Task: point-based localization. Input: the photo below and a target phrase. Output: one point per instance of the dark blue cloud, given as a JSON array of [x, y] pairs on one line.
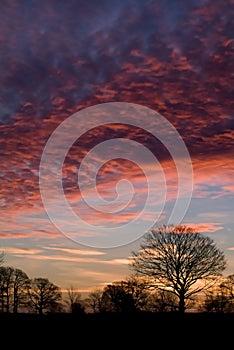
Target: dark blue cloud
[[53, 49]]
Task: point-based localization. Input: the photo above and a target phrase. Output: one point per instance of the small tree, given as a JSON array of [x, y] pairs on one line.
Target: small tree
[[43, 295], [1, 258], [20, 283], [221, 297], [6, 279], [74, 301], [215, 301], [176, 257], [228, 286], [116, 299], [13, 287], [162, 301], [94, 300], [137, 288]]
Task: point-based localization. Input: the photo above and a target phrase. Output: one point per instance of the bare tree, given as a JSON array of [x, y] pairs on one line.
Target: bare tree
[[6, 278], [74, 300], [2, 288], [127, 295], [176, 257], [116, 299], [1, 258], [228, 286], [138, 288], [221, 297], [94, 300], [215, 301], [20, 283], [162, 301], [43, 295], [13, 284]]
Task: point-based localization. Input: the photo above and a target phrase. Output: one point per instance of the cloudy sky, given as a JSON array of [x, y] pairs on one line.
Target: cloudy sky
[[140, 91]]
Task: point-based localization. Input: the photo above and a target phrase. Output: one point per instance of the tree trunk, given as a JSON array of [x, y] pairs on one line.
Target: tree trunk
[[181, 304], [15, 306], [7, 302], [15, 301], [40, 310]]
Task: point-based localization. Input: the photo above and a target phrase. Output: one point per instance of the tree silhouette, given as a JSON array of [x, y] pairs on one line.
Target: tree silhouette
[[20, 283], [116, 299], [1, 258], [13, 283], [6, 278], [176, 257], [221, 297], [74, 301], [215, 300], [228, 286], [43, 295], [162, 301], [94, 300], [136, 288]]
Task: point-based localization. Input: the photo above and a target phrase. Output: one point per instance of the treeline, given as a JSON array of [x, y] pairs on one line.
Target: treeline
[[19, 293], [176, 269]]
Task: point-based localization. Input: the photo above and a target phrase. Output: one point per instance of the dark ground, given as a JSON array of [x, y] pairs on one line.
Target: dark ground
[[138, 330]]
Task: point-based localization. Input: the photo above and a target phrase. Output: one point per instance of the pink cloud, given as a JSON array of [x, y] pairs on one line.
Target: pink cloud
[[75, 251], [13, 235], [213, 178], [22, 251], [205, 227], [35, 255]]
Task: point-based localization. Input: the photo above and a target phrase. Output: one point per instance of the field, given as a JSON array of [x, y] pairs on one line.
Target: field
[[139, 330]]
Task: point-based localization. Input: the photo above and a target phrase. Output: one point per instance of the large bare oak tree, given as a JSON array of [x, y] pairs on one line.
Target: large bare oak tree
[[176, 257]]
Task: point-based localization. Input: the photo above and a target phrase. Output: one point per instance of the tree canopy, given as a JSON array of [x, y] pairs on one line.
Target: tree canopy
[[176, 257], [43, 295]]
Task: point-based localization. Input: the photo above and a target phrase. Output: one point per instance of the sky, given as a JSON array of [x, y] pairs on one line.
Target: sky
[[115, 117]]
